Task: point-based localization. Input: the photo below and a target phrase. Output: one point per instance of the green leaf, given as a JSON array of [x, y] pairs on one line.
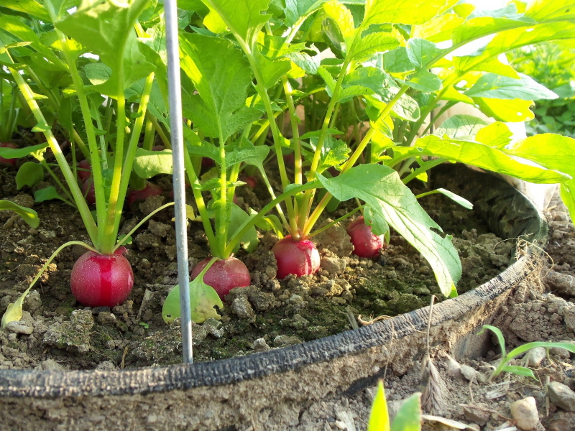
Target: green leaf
[[203, 299], [248, 153], [238, 216], [403, 11], [47, 194], [334, 152], [478, 27], [30, 7], [492, 86], [496, 135], [518, 370], [148, 164], [372, 44], [271, 70], [343, 18], [499, 336], [512, 111], [548, 150], [420, 52], [455, 198], [567, 191], [379, 417], [382, 190], [29, 174], [243, 17], [106, 29], [222, 76], [480, 155], [296, 9], [397, 61], [556, 10], [461, 127], [425, 81], [408, 418], [29, 215], [14, 311], [438, 29], [17, 153]]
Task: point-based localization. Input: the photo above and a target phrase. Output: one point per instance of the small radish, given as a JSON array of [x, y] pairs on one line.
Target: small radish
[[365, 243], [296, 257], [99, 280], [141, 195], [224, 274], [89, 192], [250, 181], [4, 161], [85, 170]]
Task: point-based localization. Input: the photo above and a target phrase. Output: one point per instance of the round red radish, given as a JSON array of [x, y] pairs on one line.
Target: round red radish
[[365, 243], [296, 257], [224, 274], [89, 191], [4, 161], [99, 280], [141, 195], [85, 170], [250, 180]]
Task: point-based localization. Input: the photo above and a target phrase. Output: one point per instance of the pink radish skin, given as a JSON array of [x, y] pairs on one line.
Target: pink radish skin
[[296, 257], [365, 243], [141, 195], [86, 170], [4, 161], [224, 274], [99, 280]]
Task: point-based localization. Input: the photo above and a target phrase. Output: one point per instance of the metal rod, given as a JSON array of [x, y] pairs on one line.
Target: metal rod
[[176, 119]]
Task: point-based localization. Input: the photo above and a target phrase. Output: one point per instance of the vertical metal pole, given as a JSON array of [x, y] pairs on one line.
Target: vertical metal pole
[[176, 119]]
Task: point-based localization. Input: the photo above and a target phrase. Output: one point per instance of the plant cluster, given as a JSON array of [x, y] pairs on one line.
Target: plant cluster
[[325, 100]]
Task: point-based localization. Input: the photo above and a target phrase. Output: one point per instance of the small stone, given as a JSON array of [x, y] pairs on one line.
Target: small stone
[[333, 265], [286, 340], [21, 328], [260, 345], [560, 352], [152, 419], [476, 414], [242, 308], [46, 235], [50, 365], [106, 318], [160, 229], [525, 413], [454, 368], [106, 366], [214, 327], [562, 396], [535, 356]]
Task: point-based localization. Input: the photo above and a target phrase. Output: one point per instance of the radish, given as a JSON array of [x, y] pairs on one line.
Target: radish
[[296, 257], [140, 195], [89, 192], [99, 280], [4, 161], [86, 170], [365, 243], [224, 274]]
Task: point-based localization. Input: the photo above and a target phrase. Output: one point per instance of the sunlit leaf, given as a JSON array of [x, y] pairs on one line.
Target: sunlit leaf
[[461, 127], [382, 190], [408, 417], [203, 300], [29, 215], [492, 86], [379, 417]]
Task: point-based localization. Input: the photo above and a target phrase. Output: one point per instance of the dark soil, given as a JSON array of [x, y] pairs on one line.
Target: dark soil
[[56, 332]]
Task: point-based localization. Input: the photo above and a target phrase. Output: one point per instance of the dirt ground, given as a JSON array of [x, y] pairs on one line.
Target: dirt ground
[[57, 333]]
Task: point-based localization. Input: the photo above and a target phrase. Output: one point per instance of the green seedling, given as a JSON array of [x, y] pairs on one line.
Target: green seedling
[[506, 357], [408, 417]]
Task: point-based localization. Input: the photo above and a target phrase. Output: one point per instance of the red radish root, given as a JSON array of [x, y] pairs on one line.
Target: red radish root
[[224, 274], [99, 280], [296, 257], [365, 243]]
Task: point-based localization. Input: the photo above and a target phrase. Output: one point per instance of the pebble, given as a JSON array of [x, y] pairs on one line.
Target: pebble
[[535, 356], [242, 308], [50, 364], [214, 327], [286, 340], [21, 328], [476, 414], [260, 345], [562, 396], [525, 413], [106, 366]]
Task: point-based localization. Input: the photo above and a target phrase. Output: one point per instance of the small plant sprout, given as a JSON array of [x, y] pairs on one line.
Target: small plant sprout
[[506, 357], [408, 418]]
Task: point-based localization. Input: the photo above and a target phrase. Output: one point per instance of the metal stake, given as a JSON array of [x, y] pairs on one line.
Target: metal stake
[[176, 119]]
